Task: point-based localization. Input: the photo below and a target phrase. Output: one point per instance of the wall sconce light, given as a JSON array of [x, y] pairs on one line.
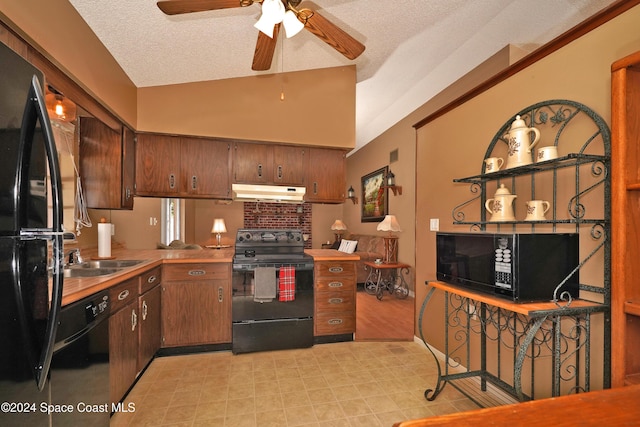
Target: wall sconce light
[[351, 195], [391, 179], [390, 224], [59, 107]]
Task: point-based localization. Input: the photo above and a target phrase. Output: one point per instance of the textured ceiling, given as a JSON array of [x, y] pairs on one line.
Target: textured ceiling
[[414, 48]]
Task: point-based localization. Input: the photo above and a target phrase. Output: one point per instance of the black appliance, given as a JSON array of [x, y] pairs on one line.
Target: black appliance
[[31, 245], [80, 364], [518, 266], [274, 324]]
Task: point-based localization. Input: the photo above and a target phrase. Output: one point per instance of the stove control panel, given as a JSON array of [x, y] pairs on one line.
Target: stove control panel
[[253, 237]]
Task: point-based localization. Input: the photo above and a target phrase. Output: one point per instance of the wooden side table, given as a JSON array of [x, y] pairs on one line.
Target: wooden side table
[[389, 277]]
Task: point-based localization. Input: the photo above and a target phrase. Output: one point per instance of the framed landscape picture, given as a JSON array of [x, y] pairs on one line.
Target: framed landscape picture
[[374, 196]]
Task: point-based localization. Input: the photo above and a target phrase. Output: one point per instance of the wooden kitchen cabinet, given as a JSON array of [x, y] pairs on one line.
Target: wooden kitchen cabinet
[[172, 166], [107, 161], [123, 338], [157, 165], [149, 307], [326, 176], [335, 297], [196, 304], [256, 163], [625, 221]]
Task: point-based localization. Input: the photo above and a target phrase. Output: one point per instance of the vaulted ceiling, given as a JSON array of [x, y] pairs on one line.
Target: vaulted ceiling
[[414, 48]]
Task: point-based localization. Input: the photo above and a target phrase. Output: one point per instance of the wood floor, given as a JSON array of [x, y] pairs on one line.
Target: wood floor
[[385, 320]]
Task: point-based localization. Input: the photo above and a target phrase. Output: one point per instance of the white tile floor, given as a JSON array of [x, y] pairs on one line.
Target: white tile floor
[[341, 384]]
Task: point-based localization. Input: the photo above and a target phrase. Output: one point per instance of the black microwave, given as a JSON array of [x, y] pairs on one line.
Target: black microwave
[[522, 267]]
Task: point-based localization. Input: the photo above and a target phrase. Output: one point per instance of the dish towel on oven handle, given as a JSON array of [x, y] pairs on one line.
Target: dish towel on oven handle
[[264, 284], [287, 284]]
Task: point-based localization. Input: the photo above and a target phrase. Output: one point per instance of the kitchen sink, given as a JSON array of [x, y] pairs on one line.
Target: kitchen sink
[[113, 263], [82, 271]]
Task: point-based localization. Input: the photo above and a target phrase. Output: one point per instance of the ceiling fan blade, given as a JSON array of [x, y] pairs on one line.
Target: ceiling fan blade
[[334, 36], [176, 7], [265, 47]]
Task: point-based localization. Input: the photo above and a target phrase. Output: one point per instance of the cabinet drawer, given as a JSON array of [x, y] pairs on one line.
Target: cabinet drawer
[[124, 293], [335, 323], [335, 268], [196, 272], [150, 279], [335, 301], [335, 284]]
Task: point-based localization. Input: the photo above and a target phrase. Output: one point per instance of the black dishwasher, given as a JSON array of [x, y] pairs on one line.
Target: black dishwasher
[[80, 364]]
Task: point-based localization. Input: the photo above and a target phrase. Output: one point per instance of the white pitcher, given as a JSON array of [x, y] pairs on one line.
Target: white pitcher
[[520, 144], [501, 206]]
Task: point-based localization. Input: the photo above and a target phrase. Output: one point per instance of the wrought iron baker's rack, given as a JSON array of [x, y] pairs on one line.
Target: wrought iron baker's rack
[[562, 329]]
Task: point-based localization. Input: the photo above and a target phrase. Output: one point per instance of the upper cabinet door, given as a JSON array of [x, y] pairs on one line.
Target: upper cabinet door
[[104, 155], [157, 165], [326, 179], [128, 167], [269, 164], [288, 165], [205, 167], [252, 163]]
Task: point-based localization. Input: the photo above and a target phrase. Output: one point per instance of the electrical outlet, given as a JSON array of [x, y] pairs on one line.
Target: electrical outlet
[[434, 224]]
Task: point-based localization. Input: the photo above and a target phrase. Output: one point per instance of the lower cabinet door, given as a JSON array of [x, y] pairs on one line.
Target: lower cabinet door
[[150, 333], [123, 350], [196, 313]]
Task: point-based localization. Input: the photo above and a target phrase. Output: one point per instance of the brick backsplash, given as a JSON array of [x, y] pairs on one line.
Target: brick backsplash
[[279, 215]]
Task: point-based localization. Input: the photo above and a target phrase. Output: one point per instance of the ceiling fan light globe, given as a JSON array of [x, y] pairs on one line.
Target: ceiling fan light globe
[[265, 25], [274, 10], [292, 24]]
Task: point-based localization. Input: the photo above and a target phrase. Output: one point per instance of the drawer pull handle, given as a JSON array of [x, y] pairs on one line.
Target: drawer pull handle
[[172, 181], [220, 294], [134, 320], [259, 170], [197, 273], [194, 182], [336, 285], [335, 301], [145, 310], [152, 278], [279, 172], [335, 321], [123, 295], [336, 269]]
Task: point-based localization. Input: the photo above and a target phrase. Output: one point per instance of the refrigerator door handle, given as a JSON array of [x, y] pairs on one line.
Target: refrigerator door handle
[[35, 109]]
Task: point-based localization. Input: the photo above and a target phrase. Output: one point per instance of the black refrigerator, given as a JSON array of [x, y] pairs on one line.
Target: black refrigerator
[[31, 245]]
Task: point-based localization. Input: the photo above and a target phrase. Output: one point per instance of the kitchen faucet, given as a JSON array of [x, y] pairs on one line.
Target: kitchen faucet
[[73, 256]]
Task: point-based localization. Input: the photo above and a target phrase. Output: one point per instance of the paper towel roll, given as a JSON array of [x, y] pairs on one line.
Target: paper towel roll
[[104, 240]]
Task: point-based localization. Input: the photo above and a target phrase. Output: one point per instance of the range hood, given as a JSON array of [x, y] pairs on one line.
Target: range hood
[[267, 193]]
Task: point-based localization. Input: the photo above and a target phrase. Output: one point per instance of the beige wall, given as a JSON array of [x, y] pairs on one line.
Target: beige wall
[[579, 71], [318, 108]]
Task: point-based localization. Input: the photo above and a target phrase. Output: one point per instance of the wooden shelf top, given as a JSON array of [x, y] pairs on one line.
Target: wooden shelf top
[[632, 307], [527, 308]]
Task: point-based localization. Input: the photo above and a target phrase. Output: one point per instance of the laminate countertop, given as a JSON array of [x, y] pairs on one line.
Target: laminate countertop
[[76, 288]]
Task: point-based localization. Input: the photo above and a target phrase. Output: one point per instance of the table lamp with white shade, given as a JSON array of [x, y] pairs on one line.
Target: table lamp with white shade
[[390, 224], [218, 228], [338, 228]]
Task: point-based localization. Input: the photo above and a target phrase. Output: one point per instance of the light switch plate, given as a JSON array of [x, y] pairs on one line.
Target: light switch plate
[[434, 224]]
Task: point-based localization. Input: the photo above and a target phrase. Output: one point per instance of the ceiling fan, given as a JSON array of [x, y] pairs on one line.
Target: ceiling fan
[[274, 14]]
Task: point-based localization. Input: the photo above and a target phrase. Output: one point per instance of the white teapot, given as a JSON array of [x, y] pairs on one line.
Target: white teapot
[[501, 206], [520, 144]]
